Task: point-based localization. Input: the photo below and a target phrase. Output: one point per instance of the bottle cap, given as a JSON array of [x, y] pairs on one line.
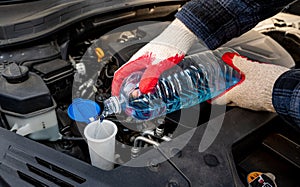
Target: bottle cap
[[83, 110], [15, 73]]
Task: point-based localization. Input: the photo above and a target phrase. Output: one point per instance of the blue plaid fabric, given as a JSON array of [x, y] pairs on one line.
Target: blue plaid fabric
[[286, 96], [218, 21]]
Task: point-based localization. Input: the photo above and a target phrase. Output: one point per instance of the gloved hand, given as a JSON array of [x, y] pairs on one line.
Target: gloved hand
[[254, 91], [160, 54]]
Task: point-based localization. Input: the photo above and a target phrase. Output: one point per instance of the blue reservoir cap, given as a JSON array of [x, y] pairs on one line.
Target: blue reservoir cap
[[84, 110]]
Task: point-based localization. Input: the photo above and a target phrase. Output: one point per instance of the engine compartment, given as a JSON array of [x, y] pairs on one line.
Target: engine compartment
[[67, 66]]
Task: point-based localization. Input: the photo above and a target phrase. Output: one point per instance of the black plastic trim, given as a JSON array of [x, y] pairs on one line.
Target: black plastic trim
[[34, 20]]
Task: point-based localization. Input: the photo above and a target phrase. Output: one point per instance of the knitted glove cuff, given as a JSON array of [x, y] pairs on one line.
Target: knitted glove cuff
[[176, 35], [271, 76]]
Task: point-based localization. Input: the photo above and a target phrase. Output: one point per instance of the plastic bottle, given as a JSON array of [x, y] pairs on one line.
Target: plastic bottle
[[198, 78]]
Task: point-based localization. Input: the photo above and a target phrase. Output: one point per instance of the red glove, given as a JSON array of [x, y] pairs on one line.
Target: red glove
[[151, 74]]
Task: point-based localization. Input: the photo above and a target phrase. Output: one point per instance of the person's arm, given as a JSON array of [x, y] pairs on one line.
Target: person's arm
[[218, 21], [213, 21], [286, 96]]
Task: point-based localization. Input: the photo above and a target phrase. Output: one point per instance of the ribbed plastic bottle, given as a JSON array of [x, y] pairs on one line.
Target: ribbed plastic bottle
[[199, 77]]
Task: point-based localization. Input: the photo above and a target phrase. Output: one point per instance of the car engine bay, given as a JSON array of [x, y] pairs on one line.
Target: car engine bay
[[53, 54]]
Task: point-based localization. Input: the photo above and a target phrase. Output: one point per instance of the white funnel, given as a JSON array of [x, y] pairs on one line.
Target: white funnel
[[101, 143]]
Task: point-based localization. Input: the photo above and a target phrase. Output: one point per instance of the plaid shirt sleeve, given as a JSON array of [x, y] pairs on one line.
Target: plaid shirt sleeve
[[218, 21], [286, 96]]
